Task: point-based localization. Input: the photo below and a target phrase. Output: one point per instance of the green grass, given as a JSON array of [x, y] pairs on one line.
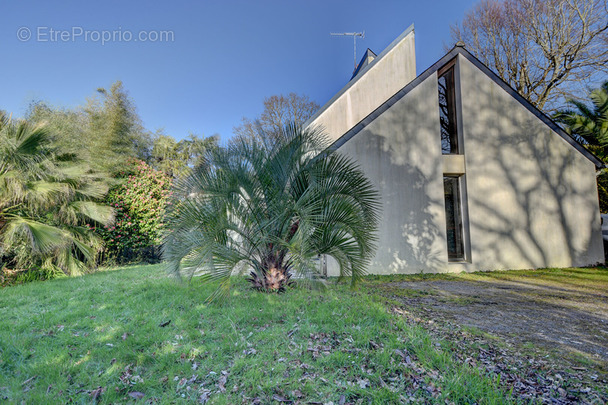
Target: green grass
[[589, 277], [580, 277], [60, 340]]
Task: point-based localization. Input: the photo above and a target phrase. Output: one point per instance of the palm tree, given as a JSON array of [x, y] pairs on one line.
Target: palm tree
[[589, 123], [271, 208], [46, 201]]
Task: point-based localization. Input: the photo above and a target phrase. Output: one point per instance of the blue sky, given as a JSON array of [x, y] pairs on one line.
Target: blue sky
[[220, 60]]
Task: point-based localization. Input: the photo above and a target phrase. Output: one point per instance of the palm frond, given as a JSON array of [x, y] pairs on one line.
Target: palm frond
[[43, 201], [94, 211], [273, 206], [42, 237], [588, 122]]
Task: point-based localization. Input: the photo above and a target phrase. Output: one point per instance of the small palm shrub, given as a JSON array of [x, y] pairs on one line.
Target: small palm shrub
[[271, 207]]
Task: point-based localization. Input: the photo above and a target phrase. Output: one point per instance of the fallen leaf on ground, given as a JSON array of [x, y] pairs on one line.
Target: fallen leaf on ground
[[29, 380], [136, 395], [96, 393], [221, 384], [279, 398]]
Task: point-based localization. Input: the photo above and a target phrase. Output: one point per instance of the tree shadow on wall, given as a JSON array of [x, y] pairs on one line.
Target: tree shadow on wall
[[410, 240], [534, 208]]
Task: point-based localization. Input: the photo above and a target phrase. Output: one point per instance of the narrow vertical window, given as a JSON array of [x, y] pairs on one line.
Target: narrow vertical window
[[447, 113], [453, 217]]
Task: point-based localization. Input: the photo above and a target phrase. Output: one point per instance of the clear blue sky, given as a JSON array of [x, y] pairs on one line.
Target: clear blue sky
[[223, 59]]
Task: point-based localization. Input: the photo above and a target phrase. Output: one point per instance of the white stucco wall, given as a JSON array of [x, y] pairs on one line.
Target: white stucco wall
[[400, 152], [532, 197]]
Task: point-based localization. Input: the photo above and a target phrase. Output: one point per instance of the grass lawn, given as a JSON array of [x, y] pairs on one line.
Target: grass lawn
[[100, 338], [582, 278]]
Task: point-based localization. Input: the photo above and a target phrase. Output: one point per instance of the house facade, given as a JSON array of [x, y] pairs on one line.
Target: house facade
[[471, 176]]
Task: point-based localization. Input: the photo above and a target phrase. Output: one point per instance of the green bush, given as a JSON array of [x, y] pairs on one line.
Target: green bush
[[34, 273], [139, 203]]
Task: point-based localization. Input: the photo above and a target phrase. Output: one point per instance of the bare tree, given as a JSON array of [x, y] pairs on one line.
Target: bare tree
[[548, 50], [279, 110]]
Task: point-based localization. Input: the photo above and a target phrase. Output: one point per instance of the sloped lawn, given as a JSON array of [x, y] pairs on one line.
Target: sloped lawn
[[134, 335]]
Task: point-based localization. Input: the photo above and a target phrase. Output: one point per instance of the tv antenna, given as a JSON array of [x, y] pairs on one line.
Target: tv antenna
[[350, 34]]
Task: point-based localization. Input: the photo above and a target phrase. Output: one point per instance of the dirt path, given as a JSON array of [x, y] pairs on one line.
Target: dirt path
[[545, 332], [556, 316]]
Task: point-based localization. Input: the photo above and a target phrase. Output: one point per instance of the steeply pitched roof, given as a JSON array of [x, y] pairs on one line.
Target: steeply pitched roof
[[499, 81], [360, 73]]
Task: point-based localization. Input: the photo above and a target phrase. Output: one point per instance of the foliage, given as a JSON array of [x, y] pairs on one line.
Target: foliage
[[10, 277], [106, 132], [63, 340], [68, 128], [272, 210], [176, 158], [115, 128], [45, 200], [279, 110], [588, 124], [140, 203], [545, 49], [602, 190]]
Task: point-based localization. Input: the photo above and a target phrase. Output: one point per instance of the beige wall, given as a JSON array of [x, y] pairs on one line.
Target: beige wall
[[531, 197], [400, 152], [386, 75]]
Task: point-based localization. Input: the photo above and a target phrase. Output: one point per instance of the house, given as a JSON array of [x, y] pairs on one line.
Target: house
[[471, 176]]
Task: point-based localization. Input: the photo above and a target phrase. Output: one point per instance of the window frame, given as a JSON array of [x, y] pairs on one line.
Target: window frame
[[460, 220], [453, 103]]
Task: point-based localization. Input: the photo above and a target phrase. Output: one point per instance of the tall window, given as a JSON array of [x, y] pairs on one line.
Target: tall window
[[453, 217], [447, 113]]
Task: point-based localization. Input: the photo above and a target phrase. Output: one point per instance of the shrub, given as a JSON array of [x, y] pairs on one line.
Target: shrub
[[46, 198], [271, 206], [139, 203]]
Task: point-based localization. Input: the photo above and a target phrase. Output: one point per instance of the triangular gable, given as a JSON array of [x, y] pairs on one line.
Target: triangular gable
[[369, 88], [488, 72]]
